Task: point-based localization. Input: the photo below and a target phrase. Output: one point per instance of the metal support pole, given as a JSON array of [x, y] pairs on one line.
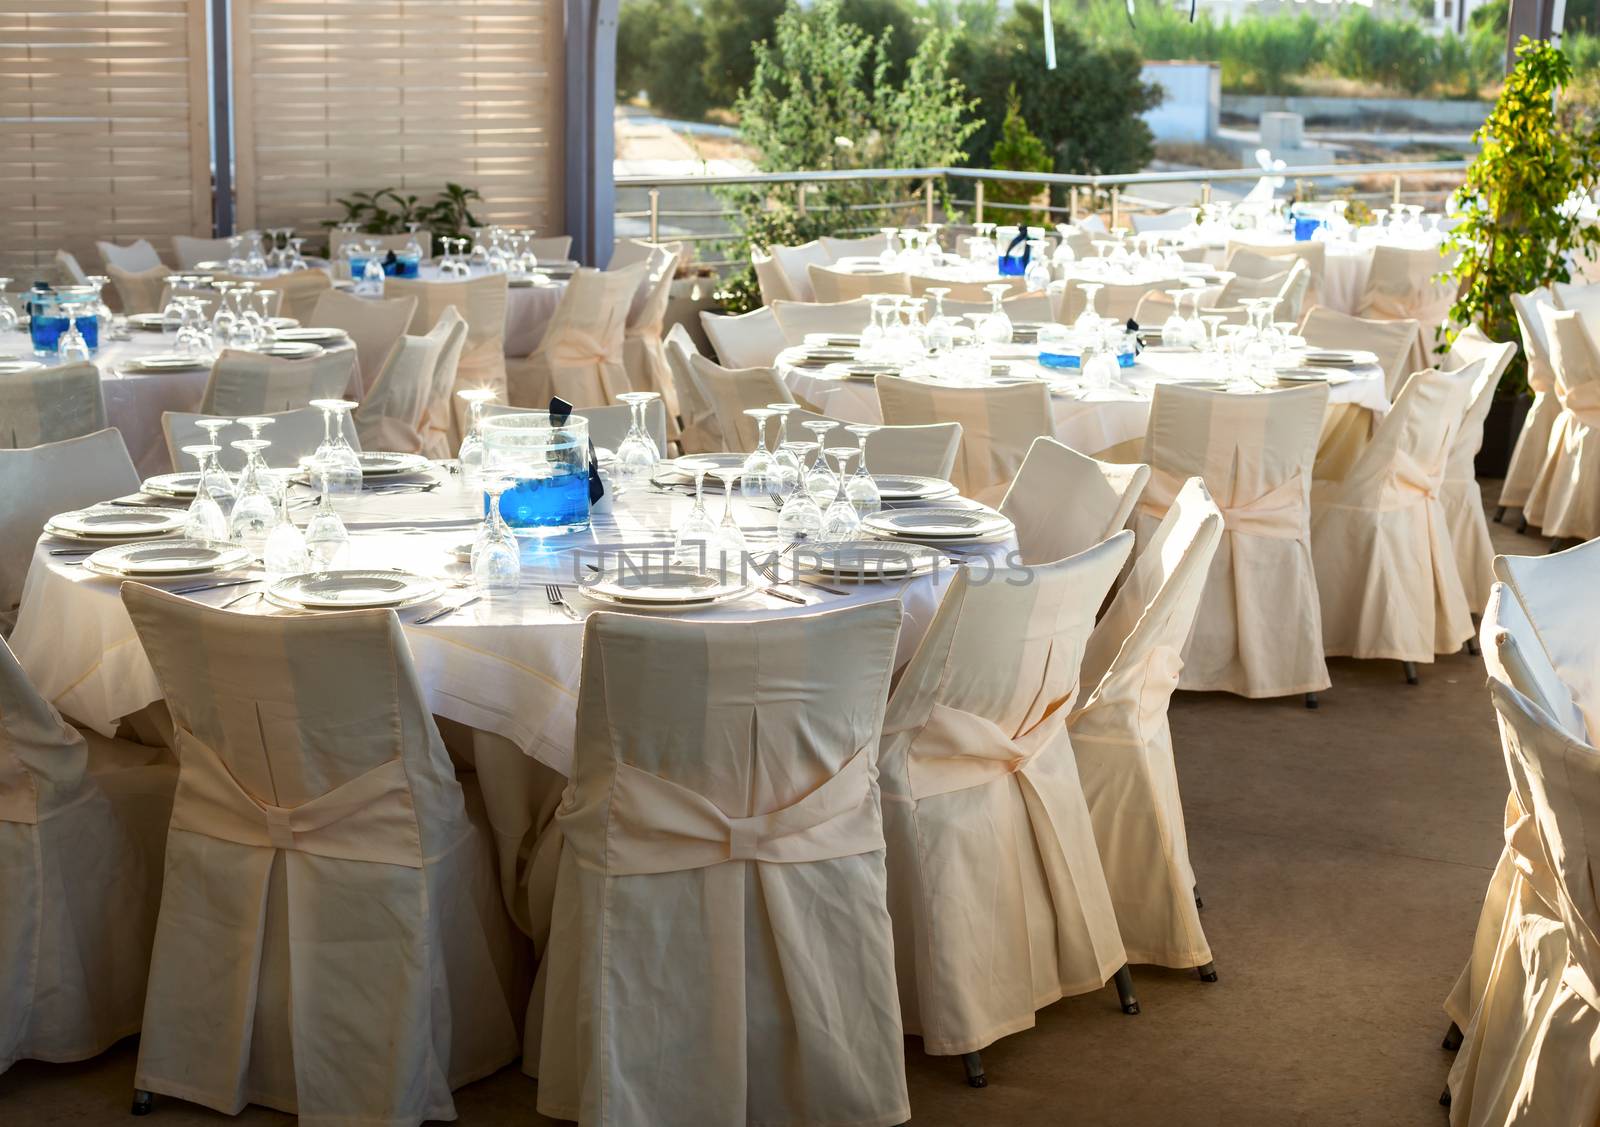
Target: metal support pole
[[1397, 191], [655, 215], [221, 122], [927, 201], [801, 205], [1116, 208], [977, 198], [1072, 204], [1205, 192]]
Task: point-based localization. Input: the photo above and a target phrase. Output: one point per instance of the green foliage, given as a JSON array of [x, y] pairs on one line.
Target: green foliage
[[1514, 234], [1086, 111], [1017, 150], [822, 97], [387, 212], [733, 31], [1384, 52], [661, 49]]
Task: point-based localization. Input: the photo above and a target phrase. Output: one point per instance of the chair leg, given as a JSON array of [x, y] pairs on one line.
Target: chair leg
[[1444, 1097], [143, 1102], [1124, 980], [1208, 973], [1499, 513], [1472, 647], [1311, 700], [1522, 525], [1411, 671], [1452, 1037], [1199, 904], [974, 1066]]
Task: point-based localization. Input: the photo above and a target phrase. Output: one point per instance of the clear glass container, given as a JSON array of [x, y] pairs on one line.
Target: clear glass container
[[547, 463]]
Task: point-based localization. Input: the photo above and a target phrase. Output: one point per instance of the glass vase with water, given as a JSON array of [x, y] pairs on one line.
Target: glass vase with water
[[546, 461]]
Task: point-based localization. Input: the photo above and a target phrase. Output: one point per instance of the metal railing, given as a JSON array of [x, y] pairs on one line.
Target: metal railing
[[1082, 192]]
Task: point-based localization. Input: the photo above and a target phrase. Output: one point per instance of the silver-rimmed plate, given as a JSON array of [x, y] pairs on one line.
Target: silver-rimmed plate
[[865, 560], [833, 340], [678, 470], [376, 463], [1339, 357], [912, 487], [867, 373], [944, 523], [830, 355], [281, 323], [117, 523], [167, 362], [166, 557], [1302, 375], [184, 484], [292, 350], [353, 590], [654, 585], [147, 322], [312, 334]]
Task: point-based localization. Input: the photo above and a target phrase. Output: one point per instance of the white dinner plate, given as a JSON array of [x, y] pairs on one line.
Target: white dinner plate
[[118, 523], [945, 524], [183, 484], [912, 487], [147, 322], [830, 355], [681, 469], [353, 589], [12, 367], [656, 586], [292, 350], [1302, 375], [868, 373], [833, 340], [312, 334], [375, 463], [1339, 357], [281, 323], [167, 557], [866, 560], [168, 362]]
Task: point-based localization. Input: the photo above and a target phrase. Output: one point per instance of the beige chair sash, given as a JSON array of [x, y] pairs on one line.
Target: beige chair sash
[[368, 818], [1280, 513], [956, 750]]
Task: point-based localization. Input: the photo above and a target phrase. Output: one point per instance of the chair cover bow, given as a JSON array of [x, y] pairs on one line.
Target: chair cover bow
[[957, 750], [1280, 513]]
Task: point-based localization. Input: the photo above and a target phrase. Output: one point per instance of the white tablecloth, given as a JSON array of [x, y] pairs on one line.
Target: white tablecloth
[[508, 665], [1345, 269], [1091, 422]]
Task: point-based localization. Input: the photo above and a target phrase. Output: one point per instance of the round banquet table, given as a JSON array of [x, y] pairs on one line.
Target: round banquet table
[[1345, 267], [136, 400], [1102, 423], [508, 665]]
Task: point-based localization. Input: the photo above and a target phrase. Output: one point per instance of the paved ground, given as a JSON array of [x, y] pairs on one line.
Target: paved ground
[[1342, 855]]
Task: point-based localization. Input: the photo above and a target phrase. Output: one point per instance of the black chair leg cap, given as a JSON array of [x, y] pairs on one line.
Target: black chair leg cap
[[143, 1103], [1452, 1038], [1411, 672], [973, 1062], [1444, 1098], [1208, 973], [1472, 647], [1500, 514], [1130, 1008], [1311, 700]]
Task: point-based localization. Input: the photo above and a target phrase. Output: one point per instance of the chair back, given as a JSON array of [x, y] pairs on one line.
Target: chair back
[[191, 251], [391, 415], [798, 318], [971, 293], [998, 425], [748, 340], [1112, 300], [701, 433], [1575, 359], [481, 302], [552, 248], [374, 324], [299, 291], [1514, 652], [1472, 346], [642, 351], [1405, 283], [44, 761], [831, 284], [37, 482], [1541, 376], [1397, 344], [867, 246], [50, 404], [770, 278], [927, 451], [1406, 459], [1064, 502], [1034, 307], [135, 258], [582, 348], [732, 391], [1558, 596], [250, 383], [795, 262], [439, 439], [626, 252], [1174, 219], [139, 291], [1313, 254], [69, 269], [294, 435]]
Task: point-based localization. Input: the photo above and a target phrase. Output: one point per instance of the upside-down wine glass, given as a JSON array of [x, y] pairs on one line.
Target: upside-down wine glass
[[327, 539], [694, 540], [254, 512], [206, 520], [758, 479], [800, 518], [785, 466], [9, 319], [285, 550], [496, 553], [1088, 321], [730, 542], [840, 521], [471, 452], [939, 333], [71, 346], [820, 481], [222, 485], [996, 327], [637, 454], [342, 467], [861, 488]]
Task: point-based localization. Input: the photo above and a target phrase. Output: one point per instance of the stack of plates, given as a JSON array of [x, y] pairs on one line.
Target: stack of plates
[[1339, 357], [658, 587], [166, 558], [912, 487], [833, 340], [308, 334], [867, 560], [677, 471], [112, 525], [352, 590], [12, 367], [184, 484], [375, 463], [829, 355], [867, 373], [281, 323], [146, 322], [167, 362], [939, 526], [292, 349], [1302, 375]]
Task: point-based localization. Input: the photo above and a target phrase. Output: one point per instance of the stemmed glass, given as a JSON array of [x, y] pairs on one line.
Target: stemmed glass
[[261, 318], [695, 538], [206, 520], [801, 516], [820, 481], [340, 467], [861, 488], [996, 327], [759, 478], [327, 541], [877, 330], [1037, 276], [285, 550], [298, 259], [471, 452], [1088, 321], [637, 454], [71, 345], [222, 484], [496, 554], [840, 521], [889, 255], [1194, 326], [785, 465], [9, 319], [730, 538], [254, 513], [1175, 330], [939, 332], [1212, 320]]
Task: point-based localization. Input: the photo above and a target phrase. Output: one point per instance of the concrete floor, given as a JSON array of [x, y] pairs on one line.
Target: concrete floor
[[1342, 855]]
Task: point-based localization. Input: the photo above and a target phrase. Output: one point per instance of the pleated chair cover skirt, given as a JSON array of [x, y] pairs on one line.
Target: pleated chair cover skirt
[[1564, 500], [721, 951], [996, 888], [1257, 631], [1459, 493], [1528, 453], [331, 941]]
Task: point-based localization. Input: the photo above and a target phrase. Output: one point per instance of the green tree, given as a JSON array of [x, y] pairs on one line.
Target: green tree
[[893, 21], [1515, 233], [660, 50], [1017, 150], [1086, 111], [732, 29]]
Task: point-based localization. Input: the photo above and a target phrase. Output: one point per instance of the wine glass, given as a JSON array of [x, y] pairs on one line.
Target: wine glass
[[889, 255], [1212, 320], [730, 540], [340, 466], [471, 453], [996, 327], [496, 554], [254, 513], [1194, 326], [1175, 330], [9, 320], [861, 488], [71, 345], [696, 536], [221, 482], [819, 481], [800, 518], [940, 335], [1088, 321], [206, 520], [840, 521], [637, 454], [1037, 276], [285, 550], [758, 478], [785, 465], [327, 541]]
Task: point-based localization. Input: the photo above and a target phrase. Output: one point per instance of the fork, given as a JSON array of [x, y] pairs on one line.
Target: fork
[[771, 573], [553, 593]]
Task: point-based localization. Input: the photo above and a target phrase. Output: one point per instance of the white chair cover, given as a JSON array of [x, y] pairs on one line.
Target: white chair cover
[[135, 258], [1403, 285], [441, 425], [833, 285], [139, 291], [870, 246], [551, 248], [83, 820], [1386, 573], [1534, 438], [250, 383], [749, 340], [393, 414], [191, 252], [998, 424], [481, 302], [1459, 492], [37, 482], [770, 278], [1242, 262], [374, 324], [1582, 298], [50, 405], [1257, 632], [1558, 595], [298, 292], [1064, 502], [999, 901], [1289, 287], [626, 252], [699, 430], [723, 821], [732, 391], [796, 319], [1124, 744], [580, 356], [929, 451], [1174, 219], [331, 941], [643, 353], [1313, 254], [69, 268], [293, 434], [608, 426], [795, 263], [1398, 344], [1565, 497], [1112, 300]]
